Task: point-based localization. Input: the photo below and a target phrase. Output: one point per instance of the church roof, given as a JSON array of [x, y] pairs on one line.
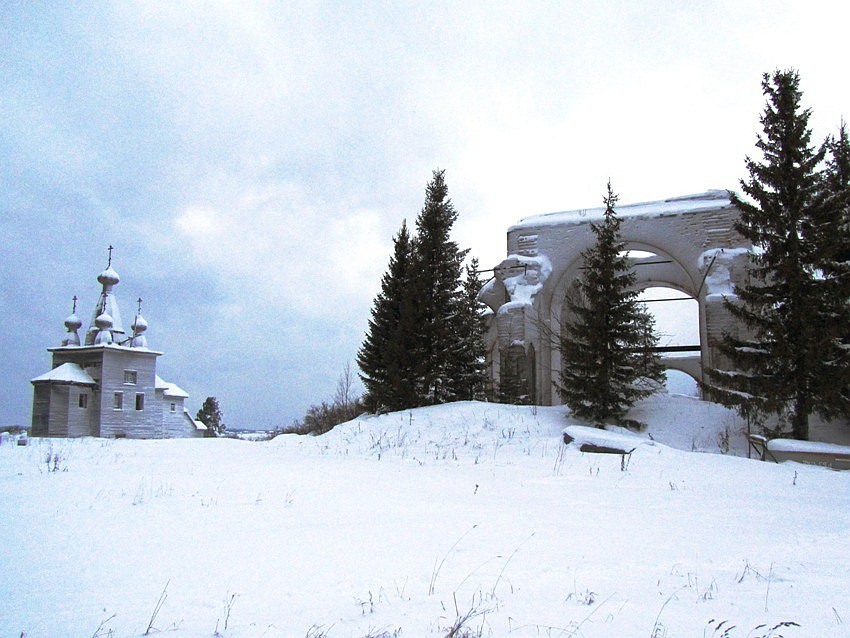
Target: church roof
[[170, 389], [66, 373], [198, 425], [699, 202]]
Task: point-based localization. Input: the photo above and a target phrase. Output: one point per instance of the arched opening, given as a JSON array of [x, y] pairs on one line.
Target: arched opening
[[676, 315], [679, 382], [638, 254], [687, 244], [677, 324], [667, 289]]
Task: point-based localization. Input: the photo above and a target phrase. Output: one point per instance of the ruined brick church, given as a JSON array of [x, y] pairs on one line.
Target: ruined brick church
[[685, 243], [107, 385]]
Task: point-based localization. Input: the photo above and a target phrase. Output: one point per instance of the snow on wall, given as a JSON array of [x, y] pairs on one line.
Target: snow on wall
[[709, 200], [719, 263], [526, 278]]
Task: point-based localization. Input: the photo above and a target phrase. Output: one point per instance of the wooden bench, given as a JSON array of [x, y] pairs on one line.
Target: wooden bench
[[758, 444], [811, 453]]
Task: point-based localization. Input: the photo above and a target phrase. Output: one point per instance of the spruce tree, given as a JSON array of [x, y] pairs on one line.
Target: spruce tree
[[778, 365], [833, 235], [469, 375], [608, 362], [836, 184], [210, 415], [384, 358], [425, 339], [439, 309]]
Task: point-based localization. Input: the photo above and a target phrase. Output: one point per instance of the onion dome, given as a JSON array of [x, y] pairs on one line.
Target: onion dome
[[103, 321], [108, 306], [108, 277], [104, 328], [139, 326], [72, 324]]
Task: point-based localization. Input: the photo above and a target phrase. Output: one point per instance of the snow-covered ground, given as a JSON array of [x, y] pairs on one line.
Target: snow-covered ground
[[399, 525]]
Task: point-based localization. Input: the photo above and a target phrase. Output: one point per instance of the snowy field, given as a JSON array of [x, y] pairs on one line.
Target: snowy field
[[465, 520]]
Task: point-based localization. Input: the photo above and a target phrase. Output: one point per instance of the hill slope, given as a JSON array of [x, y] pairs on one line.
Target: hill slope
[[404, 523]]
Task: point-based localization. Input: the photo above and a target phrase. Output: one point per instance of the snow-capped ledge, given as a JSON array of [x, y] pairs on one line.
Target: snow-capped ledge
[[589, 439]]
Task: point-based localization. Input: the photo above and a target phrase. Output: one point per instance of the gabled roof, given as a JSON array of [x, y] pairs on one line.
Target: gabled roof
[[170, 389], [66, 373], [199, 425]]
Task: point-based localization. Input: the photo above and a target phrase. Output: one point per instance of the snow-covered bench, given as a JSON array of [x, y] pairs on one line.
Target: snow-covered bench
[[595, 440], [814, 453], [811, 452]]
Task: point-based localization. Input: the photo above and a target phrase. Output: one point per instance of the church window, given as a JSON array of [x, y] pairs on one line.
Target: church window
[[130, 377], [140, 401], [174, 407], [83, 401], [118, 401]]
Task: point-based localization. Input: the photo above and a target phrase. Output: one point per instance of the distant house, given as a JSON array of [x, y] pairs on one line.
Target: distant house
[[107, 386]]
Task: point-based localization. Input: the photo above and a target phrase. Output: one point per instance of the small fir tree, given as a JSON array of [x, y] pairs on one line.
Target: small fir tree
[[607, 344], [384, 358], [777, 367], [210, 415], [469, 374]]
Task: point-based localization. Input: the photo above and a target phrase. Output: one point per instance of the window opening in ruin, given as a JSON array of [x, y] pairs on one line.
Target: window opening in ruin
[[676, 319], [677, 325], [118, 401], [140, 401], [638, 254], [679, 382]]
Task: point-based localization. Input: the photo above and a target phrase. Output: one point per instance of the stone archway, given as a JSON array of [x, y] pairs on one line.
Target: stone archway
[[693, 246]]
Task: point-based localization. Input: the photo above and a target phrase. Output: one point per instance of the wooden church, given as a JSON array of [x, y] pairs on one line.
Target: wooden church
[[107, 385]]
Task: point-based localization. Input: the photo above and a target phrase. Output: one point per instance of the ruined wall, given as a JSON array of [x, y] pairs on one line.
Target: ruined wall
[[692, 236]]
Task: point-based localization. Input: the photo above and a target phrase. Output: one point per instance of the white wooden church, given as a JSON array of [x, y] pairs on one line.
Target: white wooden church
[[107, 384]]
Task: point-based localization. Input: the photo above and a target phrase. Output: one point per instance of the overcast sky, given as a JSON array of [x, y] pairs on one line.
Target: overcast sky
[[251, 161]]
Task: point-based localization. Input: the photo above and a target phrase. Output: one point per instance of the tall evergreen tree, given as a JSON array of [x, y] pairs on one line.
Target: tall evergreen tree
[[778, 366], [425, 339], [838, 162], [384, 358], [469, 374], [439, 309], [833, 235], [606, 345], [836, 183]]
